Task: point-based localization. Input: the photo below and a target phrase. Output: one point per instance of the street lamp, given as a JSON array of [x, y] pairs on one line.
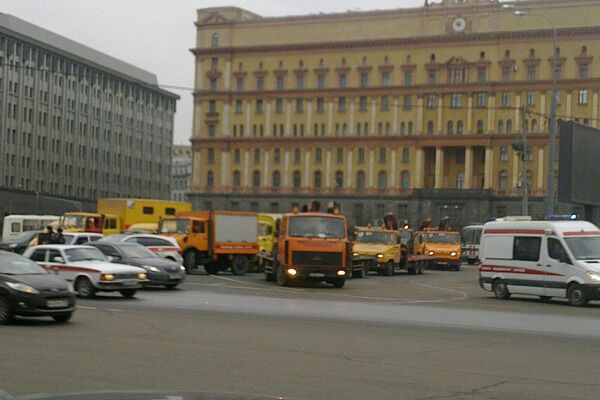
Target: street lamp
[[552, 131]]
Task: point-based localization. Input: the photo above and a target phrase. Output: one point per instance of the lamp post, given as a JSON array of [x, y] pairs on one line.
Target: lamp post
[[553, 104]]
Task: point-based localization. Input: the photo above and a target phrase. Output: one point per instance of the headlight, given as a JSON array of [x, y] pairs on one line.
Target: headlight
[[21, 287], [150, 268], [182, 268], [379, 255], [431, 253], [107, 277], [594, 276], [355, 254], [292, 272], [13, 245], [142, 276], [452, 253]]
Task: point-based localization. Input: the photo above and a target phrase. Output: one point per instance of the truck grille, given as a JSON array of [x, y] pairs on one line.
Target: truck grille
[[311, 258]]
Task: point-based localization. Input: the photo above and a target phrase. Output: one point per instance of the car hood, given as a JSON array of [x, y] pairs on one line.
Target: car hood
[[371, 248], [40, 281], [107, 267], [443, 246]]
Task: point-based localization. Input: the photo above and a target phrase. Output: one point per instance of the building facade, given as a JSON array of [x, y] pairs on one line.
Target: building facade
[[76, 124], [411, 111], [181, 172]]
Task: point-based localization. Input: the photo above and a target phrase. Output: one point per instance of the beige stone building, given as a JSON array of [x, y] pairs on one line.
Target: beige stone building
[[412, 111]]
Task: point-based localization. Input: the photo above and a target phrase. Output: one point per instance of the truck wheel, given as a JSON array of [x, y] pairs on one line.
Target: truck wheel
[[280, 275], [240, 265], [189, 261], [211, 269], [359, 273], [338, 283], [84, 288], [389, 268], [500, 289], [577, 295], [412, 269]]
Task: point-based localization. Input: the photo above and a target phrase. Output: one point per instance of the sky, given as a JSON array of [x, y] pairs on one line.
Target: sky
[[156, 35]]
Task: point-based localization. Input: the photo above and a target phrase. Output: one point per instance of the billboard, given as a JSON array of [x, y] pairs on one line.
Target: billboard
[[579, 164]]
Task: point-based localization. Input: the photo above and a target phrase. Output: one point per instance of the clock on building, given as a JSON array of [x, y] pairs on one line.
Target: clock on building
[[459, 24]]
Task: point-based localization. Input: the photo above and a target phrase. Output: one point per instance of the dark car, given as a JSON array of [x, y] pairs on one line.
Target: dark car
[[19, 243], [160, 272], [26, 289]]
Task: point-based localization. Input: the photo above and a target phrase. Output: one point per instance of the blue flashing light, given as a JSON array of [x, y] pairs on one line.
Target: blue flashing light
[[571, 217]]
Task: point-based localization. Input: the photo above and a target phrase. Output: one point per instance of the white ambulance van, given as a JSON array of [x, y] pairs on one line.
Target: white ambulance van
[[541, 258]]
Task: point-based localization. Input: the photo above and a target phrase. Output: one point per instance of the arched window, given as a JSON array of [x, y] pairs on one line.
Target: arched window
[[405, 180], [500, 126], [276, 179], [339, 179], [450, 128], [480, 127], [410, 128], [210, 179], [360, 180], [430, 127], [358, 126], [460, 181], [459, 128], [382, 180], [237, 179], [503, 180], [509, 126], [402, 128], [214, 40], [317, 179], [256, 179], [297, 180], [534, 126]]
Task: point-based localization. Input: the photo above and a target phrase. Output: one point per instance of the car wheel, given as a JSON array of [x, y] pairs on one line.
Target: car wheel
[[500, 289], [359, 273], [280, 276], [577, 295], [128, 293], [338, 283], [240, 265], [389, 268], [84, 288], [171, 286], [62, 318], [6, 314], [189, 261]]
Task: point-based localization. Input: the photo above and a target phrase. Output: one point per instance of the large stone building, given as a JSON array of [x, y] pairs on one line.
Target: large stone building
[[76, 124], [411, 111], [181, 172]]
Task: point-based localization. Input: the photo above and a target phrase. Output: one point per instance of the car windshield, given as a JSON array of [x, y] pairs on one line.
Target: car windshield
[[584, 248], [13, 264], [136, 251], [180, 225], [405, 236], [323, 227], [451, 238], [376, 237], [24, 236], [84, 254]]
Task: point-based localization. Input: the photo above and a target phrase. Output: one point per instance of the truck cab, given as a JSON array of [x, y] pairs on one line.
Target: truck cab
[[384, 244], [445, 246], [311, 246], [106, 224]]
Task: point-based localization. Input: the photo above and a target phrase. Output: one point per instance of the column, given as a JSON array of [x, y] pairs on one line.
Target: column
[[418, 177], [371, 167], [328, 169], [372, 127], [419, 126], [515, 172], [468, 168], [286, 169], [393, 169], [309, 111], [225, 131], [541, 168], [595, 110], [288, 119], [569, 104], [439, 168], [247, 120], [440, 115], [351, 116], [489, 163], [542, 111], [268, 128], [490, 116], [518, 127], [395, 116], [266, 172], [469, 127], [330, 119], [227, 76], [349, 169], [307, 181], [246, 175], [224, 167], [199, 83]]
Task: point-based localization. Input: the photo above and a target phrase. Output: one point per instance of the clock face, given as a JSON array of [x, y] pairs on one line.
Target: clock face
[[459, 24]]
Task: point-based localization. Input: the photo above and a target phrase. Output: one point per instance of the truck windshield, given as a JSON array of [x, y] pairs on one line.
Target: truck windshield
[[584, 248], [175, 226], [73, 221], [322, 227], [264, 229], [376, 237], [451, 238]]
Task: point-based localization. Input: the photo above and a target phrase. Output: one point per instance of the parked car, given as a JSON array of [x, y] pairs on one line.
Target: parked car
[[160, 272], [26, 289], [164, 246], [88, 269], [19, 243], [81, 237]]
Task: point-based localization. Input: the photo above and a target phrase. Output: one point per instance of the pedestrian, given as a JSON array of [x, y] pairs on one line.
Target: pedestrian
[[48, 237], [60, 238]]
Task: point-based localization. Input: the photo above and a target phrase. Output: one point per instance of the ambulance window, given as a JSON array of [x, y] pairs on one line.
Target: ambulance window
[[526, 248], [169, 211], [148, 210], [555, 250], [15, 227]]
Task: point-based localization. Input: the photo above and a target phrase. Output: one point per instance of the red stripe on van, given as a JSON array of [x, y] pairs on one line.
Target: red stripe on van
[[591, 233], [515, 270], [509, 231]]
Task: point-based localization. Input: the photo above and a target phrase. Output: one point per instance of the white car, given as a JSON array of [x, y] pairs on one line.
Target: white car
[[164, 246], [81, 237], [88, 269]]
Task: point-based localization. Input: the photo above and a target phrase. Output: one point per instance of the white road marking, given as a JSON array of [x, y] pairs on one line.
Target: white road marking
[[115, 310], [87, 308]]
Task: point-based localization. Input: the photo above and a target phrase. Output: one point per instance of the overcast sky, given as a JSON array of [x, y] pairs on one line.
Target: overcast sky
[[156, 35]]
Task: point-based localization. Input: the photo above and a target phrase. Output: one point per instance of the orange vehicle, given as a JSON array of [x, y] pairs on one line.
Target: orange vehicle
[[219, 240], [311, 246], [445, 246]]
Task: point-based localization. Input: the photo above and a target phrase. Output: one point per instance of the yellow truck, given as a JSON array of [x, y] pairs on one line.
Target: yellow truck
[[445, 246], [117, 215], [267, 226]]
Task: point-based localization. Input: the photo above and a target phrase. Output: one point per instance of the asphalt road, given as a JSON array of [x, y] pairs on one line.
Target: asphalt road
[[404, 337]]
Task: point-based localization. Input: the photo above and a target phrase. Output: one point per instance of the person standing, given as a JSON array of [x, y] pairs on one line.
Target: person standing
[[60, 238]]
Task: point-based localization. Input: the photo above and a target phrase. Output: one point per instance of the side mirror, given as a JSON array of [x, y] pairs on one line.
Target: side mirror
[[58, 259]]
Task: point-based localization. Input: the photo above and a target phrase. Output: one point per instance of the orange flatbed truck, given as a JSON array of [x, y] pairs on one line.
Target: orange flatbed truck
[[218, 240]]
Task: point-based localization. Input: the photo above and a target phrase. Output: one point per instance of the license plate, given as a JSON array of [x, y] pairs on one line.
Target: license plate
[[442, 262], [173, 276], [316, 275], [131, 282], [57, 303]]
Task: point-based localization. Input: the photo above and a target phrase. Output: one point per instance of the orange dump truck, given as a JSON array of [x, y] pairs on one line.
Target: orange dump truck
[[218, 240]]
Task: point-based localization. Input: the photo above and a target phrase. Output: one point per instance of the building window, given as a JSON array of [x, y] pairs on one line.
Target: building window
[[481, 75], [279, 82], [259, 106], [509, 126], [407, 102], [480, 127], [405, 180], [361, 156], [362, 103], [430, 127], [339, 179], [504, 154], [530, 101], [276, 180], [408, 78], [339, 159], [583, 71], [505, 99], [297, 180], [320, 104], [385, 103], [481, 99], [531, 73], [260, 84], [431, 100], [210, 155], [364, 79], [256, 179], [321, 81], [341, 104], [382, 180], [299, 105], [386, 79], [503, 180], [318, 156], [214, 40], [506, 74], [450, 128], [360, 180], [459, 128], [402, 128], [457, 76], [297, 156], [456, 100], [343, 80], [212, 130], [500, 126], [210, 179], [534, 126], [213, 85], [237, 156], [432, 77], [382, 155], [238, 106], [405, 155], [240, 84], [237, 180], [583, 97], [317, 179]]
